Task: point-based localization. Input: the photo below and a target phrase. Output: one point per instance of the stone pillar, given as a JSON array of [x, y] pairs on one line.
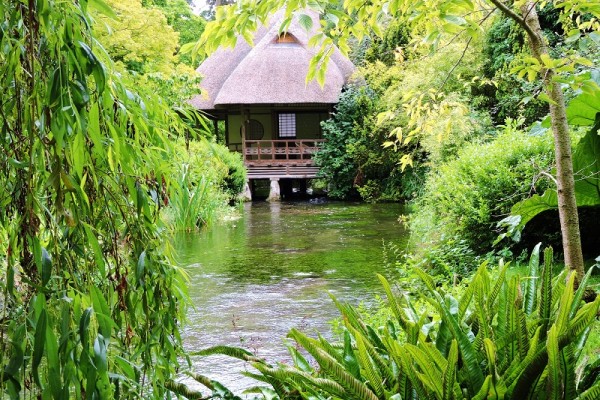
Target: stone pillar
[[275, 192], [246, 194]]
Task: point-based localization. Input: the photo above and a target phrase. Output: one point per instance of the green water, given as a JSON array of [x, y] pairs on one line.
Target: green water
[[254, 278]]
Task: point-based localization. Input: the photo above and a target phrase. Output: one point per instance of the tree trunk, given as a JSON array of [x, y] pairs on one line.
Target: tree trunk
[[567, 205]]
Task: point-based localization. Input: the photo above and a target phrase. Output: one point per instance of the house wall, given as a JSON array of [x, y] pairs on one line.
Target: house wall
[[235, 125], [308, 125]]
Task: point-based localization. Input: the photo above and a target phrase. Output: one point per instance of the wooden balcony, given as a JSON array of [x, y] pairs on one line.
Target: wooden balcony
[[280, 152]]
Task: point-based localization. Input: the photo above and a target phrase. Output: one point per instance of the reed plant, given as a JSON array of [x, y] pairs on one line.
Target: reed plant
[[193, 204]]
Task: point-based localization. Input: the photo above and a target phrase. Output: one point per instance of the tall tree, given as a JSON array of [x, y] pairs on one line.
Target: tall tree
[[356, 18]]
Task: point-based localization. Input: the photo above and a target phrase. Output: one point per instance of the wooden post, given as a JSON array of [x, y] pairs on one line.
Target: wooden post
[[216, 131], [243, 116]]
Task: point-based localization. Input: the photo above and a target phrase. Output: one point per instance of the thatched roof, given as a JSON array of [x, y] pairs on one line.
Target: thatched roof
[[270, 72]]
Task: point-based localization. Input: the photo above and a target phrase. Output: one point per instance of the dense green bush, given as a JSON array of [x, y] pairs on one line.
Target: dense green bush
[[504, 44], [465, 198], [354, 160], [390, 48], [336, 163]]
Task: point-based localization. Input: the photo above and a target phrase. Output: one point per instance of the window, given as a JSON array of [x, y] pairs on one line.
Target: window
[[286, 38], [287, 125], [254, 130]]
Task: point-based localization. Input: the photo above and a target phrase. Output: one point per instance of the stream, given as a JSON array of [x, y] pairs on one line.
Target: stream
[[254, 278]]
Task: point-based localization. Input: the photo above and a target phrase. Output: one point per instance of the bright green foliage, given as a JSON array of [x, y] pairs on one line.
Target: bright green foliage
[[389, 49], [431, 130], [586, 163], [352, 157], [181, 18], [144, 45], [506, 45], [504, 338], [138, 37], [466, 197], [208, 176], [90, 303]]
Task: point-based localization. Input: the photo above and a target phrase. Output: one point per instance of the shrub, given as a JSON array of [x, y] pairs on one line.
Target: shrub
[[342, 132], [207, 177], [465, 198]]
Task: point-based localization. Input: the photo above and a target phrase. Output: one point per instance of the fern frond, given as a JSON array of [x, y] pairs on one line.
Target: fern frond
[[468, 354], [434, 355], [522, 333], [201, 379], [394, 305], [580, 292], [333, 368], [584, 319], [426, 278], [333, 350], [181, 389], [500, 281], [449, 383], [415, 382], [546, 292], [530, 295], [431, 376], [566, 301], [382, 363], [235, 352], [568, 368], [350, 360], [554, 365], [370, 372], [592, 393], [300, 378]]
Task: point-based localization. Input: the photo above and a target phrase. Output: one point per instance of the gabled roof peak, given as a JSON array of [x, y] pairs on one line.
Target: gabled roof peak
[[272, 72]]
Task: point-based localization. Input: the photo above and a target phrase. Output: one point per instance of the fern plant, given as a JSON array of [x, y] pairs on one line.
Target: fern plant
[[504, 338]]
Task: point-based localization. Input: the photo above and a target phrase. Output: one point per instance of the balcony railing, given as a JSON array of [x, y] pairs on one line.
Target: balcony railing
[[286, 151]]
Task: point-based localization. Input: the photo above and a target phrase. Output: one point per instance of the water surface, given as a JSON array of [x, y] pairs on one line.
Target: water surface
[[254, 278]]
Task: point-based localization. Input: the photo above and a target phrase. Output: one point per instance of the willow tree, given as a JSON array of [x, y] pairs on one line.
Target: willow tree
[[89, 301], [434, 22]]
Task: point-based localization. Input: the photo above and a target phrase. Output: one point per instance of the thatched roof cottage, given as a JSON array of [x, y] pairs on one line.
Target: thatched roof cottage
[[271, 114]]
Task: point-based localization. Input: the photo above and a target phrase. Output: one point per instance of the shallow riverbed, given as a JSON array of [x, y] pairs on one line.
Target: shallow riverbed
[[254, 278]]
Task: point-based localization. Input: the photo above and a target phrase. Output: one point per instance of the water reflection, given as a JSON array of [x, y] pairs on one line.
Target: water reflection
[[254, 278]]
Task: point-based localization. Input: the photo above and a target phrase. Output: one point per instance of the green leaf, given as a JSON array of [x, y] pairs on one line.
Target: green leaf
[[102, 7], [54, 365], [305, 22], [102, 311], [78, 153], [141, 267], [39, 343], [469, 355], [99, 76], [554, 369], [84, 324], [46, 267], [583, 108], [450, 372], [532, 281], [350, 360], [98, 254]]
